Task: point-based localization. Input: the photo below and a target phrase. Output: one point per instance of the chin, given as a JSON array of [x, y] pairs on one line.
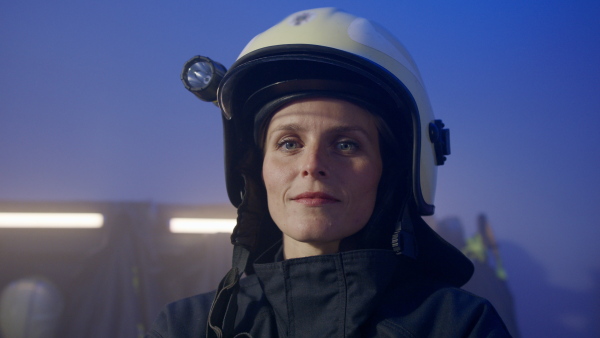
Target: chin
[[324, 230]]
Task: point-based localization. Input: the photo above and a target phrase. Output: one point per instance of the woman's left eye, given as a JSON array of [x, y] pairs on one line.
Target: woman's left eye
[[289, 145], [346, 146]]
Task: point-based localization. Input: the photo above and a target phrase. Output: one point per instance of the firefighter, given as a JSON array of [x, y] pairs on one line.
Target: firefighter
[[331, 149]]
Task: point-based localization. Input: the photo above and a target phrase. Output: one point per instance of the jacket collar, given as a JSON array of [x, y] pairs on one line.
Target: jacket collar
[[340, 289]]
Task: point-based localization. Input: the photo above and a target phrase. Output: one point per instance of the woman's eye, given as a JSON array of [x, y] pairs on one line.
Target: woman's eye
[[288, 144], [347, 146]]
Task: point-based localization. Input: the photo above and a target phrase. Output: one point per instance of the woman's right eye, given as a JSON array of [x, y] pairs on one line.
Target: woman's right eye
[[288, 144]]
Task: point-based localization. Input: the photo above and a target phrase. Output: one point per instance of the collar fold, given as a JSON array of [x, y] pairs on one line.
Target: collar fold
[[340, 289]]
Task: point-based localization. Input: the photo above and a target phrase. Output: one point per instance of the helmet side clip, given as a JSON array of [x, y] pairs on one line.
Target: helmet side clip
[[440, 138]]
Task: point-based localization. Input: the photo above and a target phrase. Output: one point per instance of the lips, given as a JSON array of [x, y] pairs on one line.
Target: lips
[[315, 198]]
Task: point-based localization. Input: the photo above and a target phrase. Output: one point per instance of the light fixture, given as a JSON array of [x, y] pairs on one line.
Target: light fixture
[[202, 225], [201, 76], [50, 220]]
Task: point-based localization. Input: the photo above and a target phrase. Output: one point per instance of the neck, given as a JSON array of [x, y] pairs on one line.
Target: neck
[[295, 249]]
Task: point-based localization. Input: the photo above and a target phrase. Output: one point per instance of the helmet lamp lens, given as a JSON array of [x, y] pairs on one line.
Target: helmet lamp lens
[[199, 75]]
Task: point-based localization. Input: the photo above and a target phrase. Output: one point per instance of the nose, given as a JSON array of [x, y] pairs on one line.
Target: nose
[[314, 163]]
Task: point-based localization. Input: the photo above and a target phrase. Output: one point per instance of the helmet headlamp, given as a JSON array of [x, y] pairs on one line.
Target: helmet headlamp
[[201, 76]]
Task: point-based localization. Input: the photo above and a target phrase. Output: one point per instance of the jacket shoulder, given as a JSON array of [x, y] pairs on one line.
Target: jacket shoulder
[[433, 309], [183, 318], [188, 317]]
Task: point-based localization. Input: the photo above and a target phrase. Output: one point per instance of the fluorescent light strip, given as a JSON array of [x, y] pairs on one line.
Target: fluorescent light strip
[[50, 220], [202, 225]]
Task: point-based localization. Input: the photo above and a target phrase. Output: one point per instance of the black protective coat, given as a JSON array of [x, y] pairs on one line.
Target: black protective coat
[[364, 293]]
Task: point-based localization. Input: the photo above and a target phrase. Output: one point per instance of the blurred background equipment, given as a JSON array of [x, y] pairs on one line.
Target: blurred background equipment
[[114, 278], [489, 279], [30, 307]]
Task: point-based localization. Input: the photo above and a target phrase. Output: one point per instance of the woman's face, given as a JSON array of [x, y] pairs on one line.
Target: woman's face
[[321, 171]]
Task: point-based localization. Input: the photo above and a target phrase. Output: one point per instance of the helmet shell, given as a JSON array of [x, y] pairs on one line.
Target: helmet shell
[[328, 38]]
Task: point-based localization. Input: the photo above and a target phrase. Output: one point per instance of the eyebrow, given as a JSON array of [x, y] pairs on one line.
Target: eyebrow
[[289, 126]]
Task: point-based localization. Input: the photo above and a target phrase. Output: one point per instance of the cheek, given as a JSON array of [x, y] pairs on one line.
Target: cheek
[[367, 178], [372, 180], [273, 177], [274, 185], [267, 172], [365, 193]]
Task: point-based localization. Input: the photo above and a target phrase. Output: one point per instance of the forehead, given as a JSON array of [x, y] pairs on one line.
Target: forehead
[[323, 110]]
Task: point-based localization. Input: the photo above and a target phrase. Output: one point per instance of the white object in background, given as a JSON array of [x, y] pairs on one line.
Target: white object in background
[[202, 225], [50, 220]]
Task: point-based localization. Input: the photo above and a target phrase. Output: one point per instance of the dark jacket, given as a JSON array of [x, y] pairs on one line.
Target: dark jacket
[[364, 293]]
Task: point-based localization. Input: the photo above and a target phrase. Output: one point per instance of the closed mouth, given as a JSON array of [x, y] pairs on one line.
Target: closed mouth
[[315, 198]]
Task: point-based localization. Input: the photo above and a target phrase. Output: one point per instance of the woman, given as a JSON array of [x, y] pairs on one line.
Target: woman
[[330, 153]]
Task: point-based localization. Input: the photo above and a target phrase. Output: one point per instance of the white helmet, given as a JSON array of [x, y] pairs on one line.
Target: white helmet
[[333, 38]]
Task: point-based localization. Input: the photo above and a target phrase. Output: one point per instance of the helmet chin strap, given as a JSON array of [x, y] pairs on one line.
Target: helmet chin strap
[[221, 318], [404, 241]]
